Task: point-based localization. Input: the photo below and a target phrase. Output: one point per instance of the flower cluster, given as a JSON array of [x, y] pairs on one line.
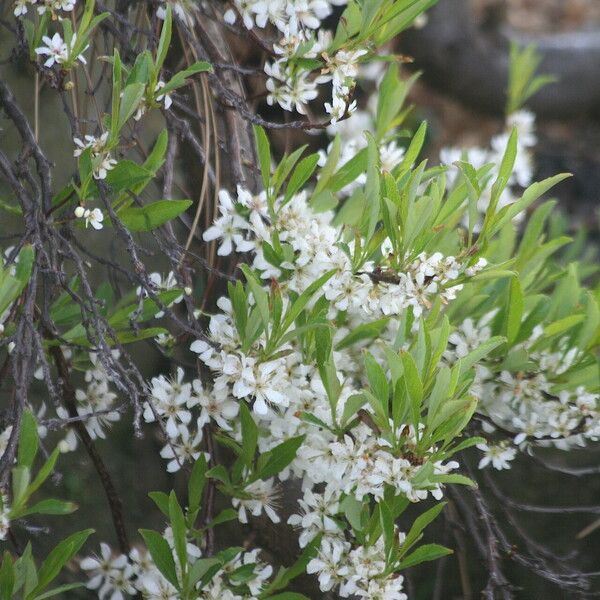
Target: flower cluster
[[314, 247], [357, 572], [302, 39], [525, 402], [43, 6], [93, 217], [115, 576], [102, 161], [95, 405], [183, 409], [164, 99]]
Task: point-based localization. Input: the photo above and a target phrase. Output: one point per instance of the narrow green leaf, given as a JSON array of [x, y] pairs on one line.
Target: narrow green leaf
[[161, 554], [28, 440], [151, 216]]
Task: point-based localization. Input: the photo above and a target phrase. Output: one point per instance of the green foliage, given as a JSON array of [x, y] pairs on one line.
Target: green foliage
[[522, 80]]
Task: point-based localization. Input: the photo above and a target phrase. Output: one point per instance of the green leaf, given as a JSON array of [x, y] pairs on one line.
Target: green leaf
[[414, 148], [12, 286], [151, 216], [301, 175], [44, 472], [116, 95], [420, 523], [26, 577], [260, 296], [156, 158], [226, 515], [180, 78], [372, 187], [326, 366], [514, 310], [377, 381], [286, 575], [329, 167], [467, 362], [21, 476], [364, 331], [278, 458], [414, 385], [57, 559], [562, 325], [161, 554], [455, 478], [28, 440], [165, 39], [7, 577], [264, 154], [128, 175], [349, 171], [531, 194], [130, 101], [49, 506], [178, 527], [504, 174], [201, 567], [161, 500], [300, 303], [424, 553], [249, 435], [197, 482], [386, 521], [392, 94]]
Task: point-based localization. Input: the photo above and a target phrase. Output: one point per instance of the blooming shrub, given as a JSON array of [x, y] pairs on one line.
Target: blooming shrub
[[380, 316]]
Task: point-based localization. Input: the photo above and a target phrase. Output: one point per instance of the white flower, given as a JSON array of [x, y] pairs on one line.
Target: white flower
[[183, 448], [164, 98], [337, 108], [171, 399], [317, 515], [269, 11], [182, 9], [330, 564], [229, 17], [102, 162], [216, 405], [229, 227], [20, 8], [92, 217], [53, 5], [391, 156], [97, 399], [110, 576], [264, 496], [309, 13], [55, 49], [264, 382], [498, 455], [4, 516], [155, 587]]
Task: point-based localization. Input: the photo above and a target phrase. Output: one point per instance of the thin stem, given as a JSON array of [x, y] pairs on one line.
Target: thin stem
[[36, 107]]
